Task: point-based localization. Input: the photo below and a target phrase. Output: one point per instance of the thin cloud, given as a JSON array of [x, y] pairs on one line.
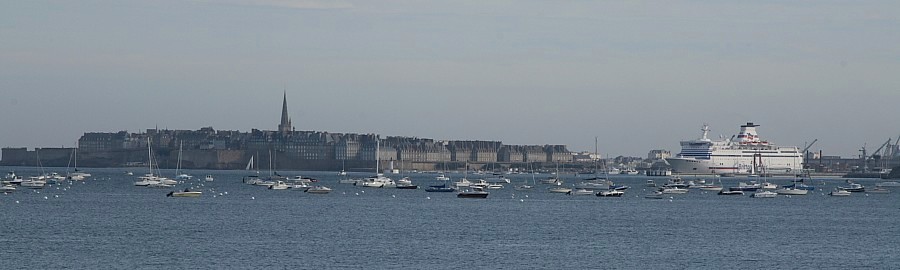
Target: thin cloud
[[295, 4]]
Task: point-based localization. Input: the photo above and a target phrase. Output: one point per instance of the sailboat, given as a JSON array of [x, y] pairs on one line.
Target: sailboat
[[182, 176], [149, 178], [253, 178], [76, 175], [379, 180], [526, 186], [342, 173]]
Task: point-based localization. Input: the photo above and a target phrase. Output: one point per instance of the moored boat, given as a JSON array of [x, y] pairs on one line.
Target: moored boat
[[318, 190], [610, 193], [840, 193], [764, 194], [475, 192], [731, 192], [580, 191], [184, 193]]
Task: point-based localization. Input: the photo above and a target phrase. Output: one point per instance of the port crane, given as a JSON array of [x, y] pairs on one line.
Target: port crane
[[806, 149]]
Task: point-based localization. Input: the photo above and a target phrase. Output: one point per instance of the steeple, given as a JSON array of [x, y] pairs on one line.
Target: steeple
[[285, 126]]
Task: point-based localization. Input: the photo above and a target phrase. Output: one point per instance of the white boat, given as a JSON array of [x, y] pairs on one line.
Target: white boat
[[764, 194], [462, 183], [792, 191], [650, 183], [146, 180], [674, 190], [610, 193], [840, 193], [208, 178], [185, 193], [33, 183], [318, 190], [854, 187], [474, 193], [580, 191], [888, 184], [349, 181], [494, 186], [559, 189], [442, 177], [706, 156], [7, 188], [379, 180], [878, 190], [279, 185], [76, 175], [159, 185], [181, 176], [654, 195], [767, 185]]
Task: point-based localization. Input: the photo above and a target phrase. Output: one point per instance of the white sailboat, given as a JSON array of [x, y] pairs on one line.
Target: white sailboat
[[76, 175], [181, 176], [379, 180], [149, 178]]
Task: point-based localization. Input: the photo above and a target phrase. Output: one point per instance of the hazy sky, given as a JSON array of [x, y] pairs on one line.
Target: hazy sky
[[640, 75]]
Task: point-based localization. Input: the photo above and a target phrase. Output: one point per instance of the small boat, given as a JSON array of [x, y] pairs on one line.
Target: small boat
[[764, 194], [524, 187], [580, 191], [159, 185], [185, 193], [654, 195], [710, 188], [318, 190], [7, 188], [650, 183], [280, 185], [878, 190], [767, 185], [442, 177], [208, 178], [349, 181], [462, 183], [800, 186], [854, 187], [440, 188], [674, 190], [792, 191], [560, 189], [478, 193], [746, 187], [888, 184], [611, 193], [840, 193], [35, 184], [494, 186], [129, 173], [407, 186], [731, 192]]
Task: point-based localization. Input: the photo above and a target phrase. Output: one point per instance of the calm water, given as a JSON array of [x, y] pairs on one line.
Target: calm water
[[106, 222]]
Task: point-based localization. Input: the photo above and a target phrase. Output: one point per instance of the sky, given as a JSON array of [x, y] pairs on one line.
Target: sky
[[638, 75]]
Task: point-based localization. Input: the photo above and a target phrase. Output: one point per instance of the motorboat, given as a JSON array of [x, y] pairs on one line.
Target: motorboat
[[7, 188], [159, 185], [494, 186], [654, 195], [767, 185], [730, 192], [878, 190], [650, 183], [475, 192], [580, 191], [280, 185], [552, 181], [764, 194], [593, 185], [674, 190], [33, 183], [440, 188], [462, 183], [379, 181], [888, 184], [710, 188], [208, 178], [746, 187], [184, 176], [299, 186], [854, 187], [524, 187], [800, 186], [610, 193], [792, 191], [185, 193], [560, 189], [318, 190], [498, 180], [146, 180], [442, 177], [840, 193]]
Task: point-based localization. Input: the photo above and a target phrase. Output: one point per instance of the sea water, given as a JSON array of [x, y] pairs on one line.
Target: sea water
[[107, 222]]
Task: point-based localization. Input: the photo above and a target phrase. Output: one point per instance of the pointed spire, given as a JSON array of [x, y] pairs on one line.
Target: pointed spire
[[285, 125]]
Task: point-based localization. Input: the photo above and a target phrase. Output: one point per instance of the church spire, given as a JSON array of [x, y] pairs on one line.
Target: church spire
[[285, 126]]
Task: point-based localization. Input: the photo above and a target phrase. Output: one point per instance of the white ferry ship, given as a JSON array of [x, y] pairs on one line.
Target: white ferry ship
[[744, 153]]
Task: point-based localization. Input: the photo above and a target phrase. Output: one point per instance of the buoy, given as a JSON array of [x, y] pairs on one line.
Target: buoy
[[45, 197], [56, 196], [17, 201], [521, 200], [393, 196], [429, 198], [357, 194], [226, 192], [220, 194], [253, 198]]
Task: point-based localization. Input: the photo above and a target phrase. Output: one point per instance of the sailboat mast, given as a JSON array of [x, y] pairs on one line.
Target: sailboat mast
[[377, 156], [149, 156]]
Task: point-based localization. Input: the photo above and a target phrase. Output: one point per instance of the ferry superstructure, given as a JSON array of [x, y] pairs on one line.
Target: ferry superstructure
[[744, 153]]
